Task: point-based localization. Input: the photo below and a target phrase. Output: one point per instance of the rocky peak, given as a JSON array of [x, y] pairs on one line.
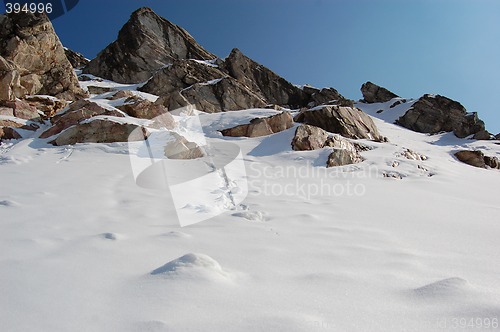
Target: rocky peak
[[146, 43], [275, 89]]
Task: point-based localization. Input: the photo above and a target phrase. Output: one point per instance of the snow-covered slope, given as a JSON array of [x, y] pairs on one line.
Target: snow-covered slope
[[391, 244]]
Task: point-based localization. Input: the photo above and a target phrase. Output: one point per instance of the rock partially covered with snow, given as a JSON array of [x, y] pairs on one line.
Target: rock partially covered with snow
[[181, 148], [433, 114], [145, 109], [31, 45], [347, 121], [100, 131], [309, 137], [342, 157], [373, 93], [77, 112], [325, 96], [8, 133], [146, 43], [261, 126], [19, 109]]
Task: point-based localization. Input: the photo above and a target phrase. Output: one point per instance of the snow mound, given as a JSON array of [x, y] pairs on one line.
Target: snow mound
[[176, 234], [444, 288], [194, 266]]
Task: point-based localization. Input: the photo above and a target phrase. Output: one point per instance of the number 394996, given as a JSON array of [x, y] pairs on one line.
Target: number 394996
[[16, 8]]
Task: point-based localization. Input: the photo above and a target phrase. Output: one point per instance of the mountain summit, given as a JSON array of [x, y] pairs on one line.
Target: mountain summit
[[146, 43]]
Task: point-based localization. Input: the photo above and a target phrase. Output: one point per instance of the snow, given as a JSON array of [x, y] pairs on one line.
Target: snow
[[85, 247]]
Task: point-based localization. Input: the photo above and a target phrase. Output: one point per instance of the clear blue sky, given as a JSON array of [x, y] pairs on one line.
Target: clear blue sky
[[412, 47]]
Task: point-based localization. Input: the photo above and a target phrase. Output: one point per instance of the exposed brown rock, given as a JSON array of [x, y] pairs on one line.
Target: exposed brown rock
[[145, 44], [482, 135], [31, 44], [373, 93], [261, 126], [49, 106], [433, 114], [308, 138], [78, 111], [144, 109], [100, 131], [473, 158], [346, 121], [20, 109]]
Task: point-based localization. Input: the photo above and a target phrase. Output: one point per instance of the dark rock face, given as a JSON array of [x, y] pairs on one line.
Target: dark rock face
[[477, 159], [373, 93], [325, 96], [225, 94], [8, 133], [261, 126], [180, 75], [36, 62], [346, 121], [434, 114], [482, 135], [99, 131], [146, 43], [76, 59], [274, 89]]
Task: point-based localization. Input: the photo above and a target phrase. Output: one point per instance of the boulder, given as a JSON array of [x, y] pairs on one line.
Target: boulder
[[145, 44], [497, 136], [473, 158], [308, 138], [20, 109], [181, 148], [77, 112], [491, 162], [433, 114], [30, 43], [100, 131], [97, 90], [347, 121], [373, 93], [144, 109], [19, 124], [8, 133], [342, 157], [76, 59], [325, 96], [261, 126], [275, 89], [124, 94], [482, 135], [180, 75], [221, 95]]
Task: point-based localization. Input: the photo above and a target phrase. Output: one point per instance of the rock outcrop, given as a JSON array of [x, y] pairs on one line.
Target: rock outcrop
[[32, 59], [77, 60], [274, 89], [100, 131], [143, 109], [78, 111], [325, 96], [477, 158], [261, 126], [19, 109], [373, 93], [181, 75], [8, 133], [433, 114], [346, 121], [220, 95], [145, 44]]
